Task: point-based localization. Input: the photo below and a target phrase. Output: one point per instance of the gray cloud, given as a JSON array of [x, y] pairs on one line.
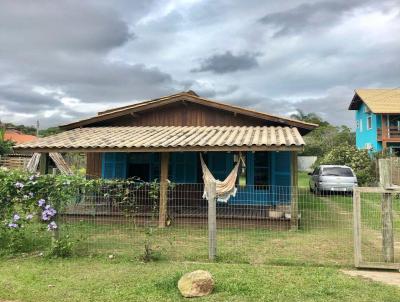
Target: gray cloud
[[310, 16], [227, 62], [106, 54]]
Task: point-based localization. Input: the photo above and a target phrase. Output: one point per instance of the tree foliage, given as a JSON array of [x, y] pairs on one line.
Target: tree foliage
[[324, 138], [5, 145]]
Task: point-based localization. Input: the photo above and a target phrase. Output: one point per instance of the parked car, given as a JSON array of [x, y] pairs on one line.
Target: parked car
[[332, 178]]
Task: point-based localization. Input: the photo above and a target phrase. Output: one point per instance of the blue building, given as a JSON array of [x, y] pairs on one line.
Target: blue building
[[377, 119]]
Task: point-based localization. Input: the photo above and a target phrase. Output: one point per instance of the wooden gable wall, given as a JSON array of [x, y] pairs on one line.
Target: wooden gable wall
[[184, 114]]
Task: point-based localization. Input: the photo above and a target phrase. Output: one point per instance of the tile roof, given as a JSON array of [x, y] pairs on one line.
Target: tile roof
[[170, 138], [378, 100], [18, 137]]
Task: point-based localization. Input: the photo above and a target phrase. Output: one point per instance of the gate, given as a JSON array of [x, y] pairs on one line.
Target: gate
[[376, 214]]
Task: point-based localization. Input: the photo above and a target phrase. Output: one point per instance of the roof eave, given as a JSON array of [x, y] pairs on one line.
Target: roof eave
[[166, 149]]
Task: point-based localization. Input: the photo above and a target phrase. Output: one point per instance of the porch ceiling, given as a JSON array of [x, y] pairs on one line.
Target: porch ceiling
[[165, 139]]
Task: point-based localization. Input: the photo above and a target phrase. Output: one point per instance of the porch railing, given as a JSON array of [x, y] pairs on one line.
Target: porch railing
[[392, 132]]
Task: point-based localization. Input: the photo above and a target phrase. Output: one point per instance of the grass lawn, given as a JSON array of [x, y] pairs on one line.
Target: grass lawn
[[85, 279], [254, 264]]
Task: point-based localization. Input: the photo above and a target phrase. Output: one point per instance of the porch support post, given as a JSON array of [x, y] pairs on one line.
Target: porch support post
[[384, 132], [44, 163], [163, 189], [294, 206]]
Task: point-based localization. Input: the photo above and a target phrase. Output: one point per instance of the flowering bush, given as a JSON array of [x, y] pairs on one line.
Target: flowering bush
[[27, 199], [358, 160]]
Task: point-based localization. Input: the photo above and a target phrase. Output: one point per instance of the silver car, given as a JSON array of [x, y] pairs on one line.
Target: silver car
[[332, 178]]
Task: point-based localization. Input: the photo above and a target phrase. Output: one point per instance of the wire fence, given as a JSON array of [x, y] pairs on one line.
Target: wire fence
[[253, 227]]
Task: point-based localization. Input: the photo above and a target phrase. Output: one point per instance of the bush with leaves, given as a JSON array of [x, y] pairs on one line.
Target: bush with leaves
[[358, 160]]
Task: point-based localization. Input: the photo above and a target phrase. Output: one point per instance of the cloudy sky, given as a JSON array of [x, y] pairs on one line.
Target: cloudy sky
[[64, 60]]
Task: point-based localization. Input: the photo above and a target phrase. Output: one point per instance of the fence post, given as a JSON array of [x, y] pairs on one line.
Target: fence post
[[212, 220], [163, 189], [357, 226], [387, 214], [294, 206]]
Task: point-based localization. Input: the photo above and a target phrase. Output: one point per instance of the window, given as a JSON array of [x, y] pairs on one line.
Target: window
[[360, 125], [337, 171], [242, 175], [369, 122], [261, 169]]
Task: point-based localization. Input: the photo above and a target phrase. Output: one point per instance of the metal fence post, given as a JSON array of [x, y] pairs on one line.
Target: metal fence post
[[212, 220]]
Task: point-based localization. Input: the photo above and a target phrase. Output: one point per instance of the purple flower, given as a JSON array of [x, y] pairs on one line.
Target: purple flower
[[41, 202], [16, 217], [13, 225], [19, 185], [51, 226], [32, 177], [30, 194], [45, 217], [29, 217]]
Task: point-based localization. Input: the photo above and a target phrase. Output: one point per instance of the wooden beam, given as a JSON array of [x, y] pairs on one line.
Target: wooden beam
[[163, 190], [44, 163], [294, 206]]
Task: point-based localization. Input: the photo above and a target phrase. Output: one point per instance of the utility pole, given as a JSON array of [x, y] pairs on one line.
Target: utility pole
[[37, 128]]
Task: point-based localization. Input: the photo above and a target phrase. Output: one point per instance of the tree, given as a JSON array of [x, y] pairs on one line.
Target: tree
[[358, 160], [309, 118], [324, 138], [5, 145]]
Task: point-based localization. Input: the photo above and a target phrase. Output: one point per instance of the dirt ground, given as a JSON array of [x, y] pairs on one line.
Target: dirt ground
[[391, 278]]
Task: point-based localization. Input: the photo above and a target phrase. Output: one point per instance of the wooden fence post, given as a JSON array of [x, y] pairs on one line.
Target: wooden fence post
[[212, 220], [387, 214], [163, 189], [294, 205], [357, 226]]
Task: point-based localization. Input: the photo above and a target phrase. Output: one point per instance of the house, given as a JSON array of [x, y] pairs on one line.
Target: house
[[164, 137], [377, 119]]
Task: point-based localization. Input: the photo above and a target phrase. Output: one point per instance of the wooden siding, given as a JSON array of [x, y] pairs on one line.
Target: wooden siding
[[93, 164], [185, 114]]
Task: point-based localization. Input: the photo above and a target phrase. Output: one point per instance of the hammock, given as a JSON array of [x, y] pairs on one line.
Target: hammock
[[224, 189]]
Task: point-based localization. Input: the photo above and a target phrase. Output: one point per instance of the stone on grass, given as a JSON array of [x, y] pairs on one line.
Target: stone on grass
[[196, 284]]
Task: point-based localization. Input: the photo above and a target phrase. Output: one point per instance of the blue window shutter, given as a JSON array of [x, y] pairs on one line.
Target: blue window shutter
[[183, 167], [108, 165], [114, 165], [120, 165], [250, 168]]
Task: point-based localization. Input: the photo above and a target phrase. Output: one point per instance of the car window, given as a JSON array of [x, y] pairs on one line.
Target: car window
[[337, 171]]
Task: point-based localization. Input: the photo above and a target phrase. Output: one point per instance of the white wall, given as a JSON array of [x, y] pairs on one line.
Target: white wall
[[304, 163]]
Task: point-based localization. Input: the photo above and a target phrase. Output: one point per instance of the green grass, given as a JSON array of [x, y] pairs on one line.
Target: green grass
[[303, 178], [86, 279]]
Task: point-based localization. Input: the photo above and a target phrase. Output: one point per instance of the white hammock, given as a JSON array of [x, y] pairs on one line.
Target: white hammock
[[224, 189]]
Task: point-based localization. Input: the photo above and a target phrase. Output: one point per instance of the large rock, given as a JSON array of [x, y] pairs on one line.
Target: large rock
[[196, 284]]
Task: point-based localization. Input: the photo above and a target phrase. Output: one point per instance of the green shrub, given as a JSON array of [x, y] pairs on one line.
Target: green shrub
[[358, 160], [62, 247]]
